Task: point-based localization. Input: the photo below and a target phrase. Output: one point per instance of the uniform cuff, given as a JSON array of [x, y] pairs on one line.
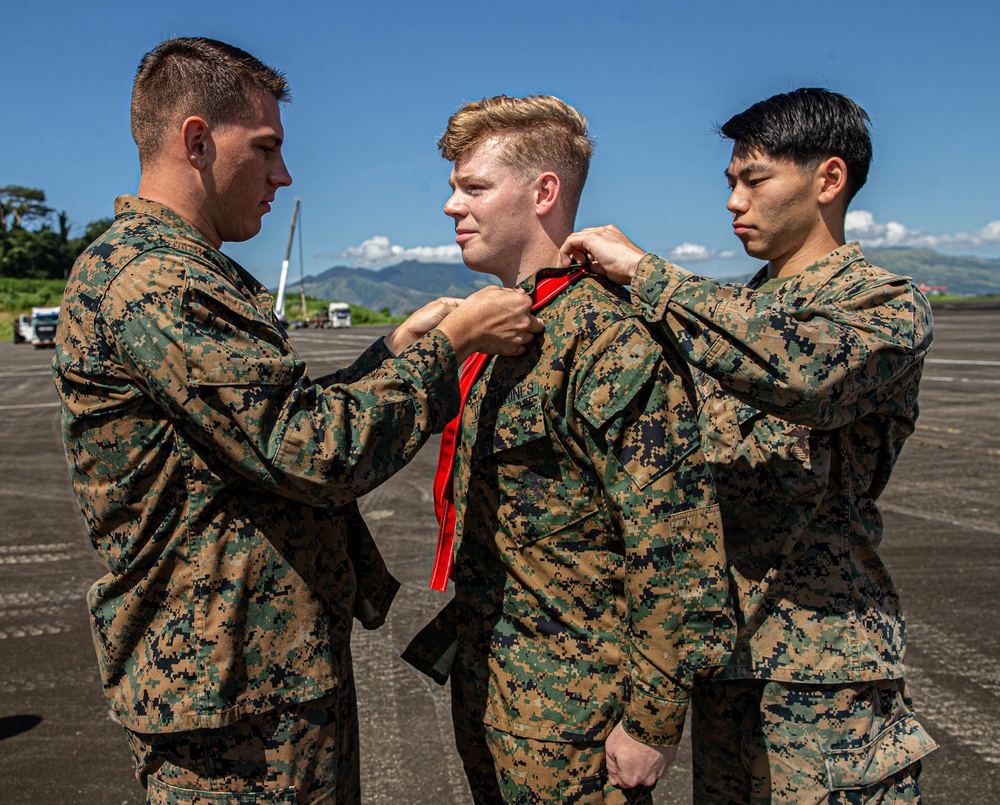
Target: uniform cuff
[[656, 720], [654, 283], [433, 360]]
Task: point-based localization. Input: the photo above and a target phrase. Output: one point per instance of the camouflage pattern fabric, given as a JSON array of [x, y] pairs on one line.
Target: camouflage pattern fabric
[[808, 389], [589, 573], [807, 394], [759, 742], [218, 482], [305, 753], [551, 771]]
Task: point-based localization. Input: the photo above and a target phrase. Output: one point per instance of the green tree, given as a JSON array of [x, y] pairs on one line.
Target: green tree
[[21, 205], [34, 255], [34, 240]]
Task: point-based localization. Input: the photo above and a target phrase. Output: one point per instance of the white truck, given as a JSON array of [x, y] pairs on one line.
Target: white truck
[[37, 328], [340, 314]]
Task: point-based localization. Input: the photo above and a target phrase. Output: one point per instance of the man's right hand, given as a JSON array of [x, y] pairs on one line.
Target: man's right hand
[[606, 250], [497, 321]]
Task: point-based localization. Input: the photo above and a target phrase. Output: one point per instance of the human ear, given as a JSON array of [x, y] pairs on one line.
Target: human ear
[[547, 190], [831, 178], [197, 141]]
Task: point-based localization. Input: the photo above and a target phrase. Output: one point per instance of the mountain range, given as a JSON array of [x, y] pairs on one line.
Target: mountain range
[[408, 285]]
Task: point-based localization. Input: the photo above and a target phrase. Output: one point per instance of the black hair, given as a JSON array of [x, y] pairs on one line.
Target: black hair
[[807, 126]]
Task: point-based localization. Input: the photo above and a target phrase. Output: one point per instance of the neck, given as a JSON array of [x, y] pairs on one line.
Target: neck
[[823, 240], [171, 191], [542, 251]]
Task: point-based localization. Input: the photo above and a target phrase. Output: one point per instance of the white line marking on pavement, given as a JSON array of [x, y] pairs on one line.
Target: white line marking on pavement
[[985, 381], [30, 405], [31, 600], [952, 651], [35, 559], [963, 721], [958, 361], [36, 554], [891, 507], [34, 631], [29, 547], [30, 373]]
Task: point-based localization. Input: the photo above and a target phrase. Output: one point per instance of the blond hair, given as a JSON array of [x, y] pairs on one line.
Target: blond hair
[[538, 133]]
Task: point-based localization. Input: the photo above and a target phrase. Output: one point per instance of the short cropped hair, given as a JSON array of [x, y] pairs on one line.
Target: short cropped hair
[[807, 126], [195, 76], [539, 133]]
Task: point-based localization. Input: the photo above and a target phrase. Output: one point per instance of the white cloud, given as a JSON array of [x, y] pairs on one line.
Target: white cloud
[[861, 225], [379, 251], [695, 253]]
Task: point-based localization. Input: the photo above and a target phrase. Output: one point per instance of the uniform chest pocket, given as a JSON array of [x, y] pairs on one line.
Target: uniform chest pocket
[[229, 342], [794, 460], [541, 490]]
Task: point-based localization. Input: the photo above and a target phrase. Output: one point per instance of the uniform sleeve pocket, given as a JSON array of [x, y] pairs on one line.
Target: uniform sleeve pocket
[[229, 342], [898, 746]]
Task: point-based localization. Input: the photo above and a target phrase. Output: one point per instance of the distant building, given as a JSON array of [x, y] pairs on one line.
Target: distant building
[[932, 290]]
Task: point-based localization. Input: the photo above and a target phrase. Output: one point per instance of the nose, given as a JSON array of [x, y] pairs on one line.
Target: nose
[[452, 207], [281, 177], [737, 201]]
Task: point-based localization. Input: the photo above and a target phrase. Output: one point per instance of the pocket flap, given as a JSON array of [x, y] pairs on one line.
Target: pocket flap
[[519, 423], [894, 749]]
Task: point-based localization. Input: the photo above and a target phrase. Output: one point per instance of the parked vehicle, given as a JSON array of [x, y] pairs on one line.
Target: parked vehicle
[[340, 314], [37, 328]]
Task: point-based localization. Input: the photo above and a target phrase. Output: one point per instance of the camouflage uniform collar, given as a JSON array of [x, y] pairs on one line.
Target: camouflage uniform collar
[[133, 205], [529, 283], [838, 259]]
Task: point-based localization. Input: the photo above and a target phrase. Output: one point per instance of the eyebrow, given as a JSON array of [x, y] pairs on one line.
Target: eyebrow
[[749, 168], [466, 178], [273, 139]]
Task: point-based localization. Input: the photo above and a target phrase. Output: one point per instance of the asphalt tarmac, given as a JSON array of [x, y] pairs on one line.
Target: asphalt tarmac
[[59, 744]]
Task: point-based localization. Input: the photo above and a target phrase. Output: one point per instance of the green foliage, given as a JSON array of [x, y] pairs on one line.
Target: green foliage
[[43, 252], [361, 315], [960, 275], [22, 205], [19, 296], [317, 308]]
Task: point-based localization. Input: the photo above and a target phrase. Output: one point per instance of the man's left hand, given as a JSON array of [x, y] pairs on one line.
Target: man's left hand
[[631, 762], [420, 322]]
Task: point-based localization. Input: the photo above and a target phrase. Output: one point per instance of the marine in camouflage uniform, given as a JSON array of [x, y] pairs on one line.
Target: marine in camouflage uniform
[[589, 574], [807, 379], [808, 388], [218, 482]]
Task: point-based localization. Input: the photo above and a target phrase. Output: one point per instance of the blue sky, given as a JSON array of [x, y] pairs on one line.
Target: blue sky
[[374, 83]]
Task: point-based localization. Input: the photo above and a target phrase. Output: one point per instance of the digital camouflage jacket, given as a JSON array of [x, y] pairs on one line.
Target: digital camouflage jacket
[[807, 394], [589, 573], [218, 482]]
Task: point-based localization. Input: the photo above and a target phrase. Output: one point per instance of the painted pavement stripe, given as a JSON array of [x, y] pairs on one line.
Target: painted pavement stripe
[[969, 725], [906, 510], [960, 361], [30, 405], [952, 651], [984, 381]]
